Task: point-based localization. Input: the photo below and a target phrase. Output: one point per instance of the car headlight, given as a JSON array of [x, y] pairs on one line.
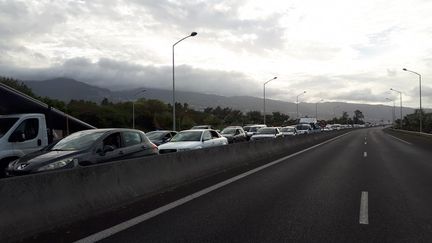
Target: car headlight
[[12, 164], [57, 164]]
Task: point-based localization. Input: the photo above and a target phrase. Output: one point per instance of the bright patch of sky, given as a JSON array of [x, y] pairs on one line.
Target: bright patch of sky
[[337, 50]]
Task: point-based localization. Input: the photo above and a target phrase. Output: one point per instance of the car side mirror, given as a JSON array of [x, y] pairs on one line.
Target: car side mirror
[[17, 136], [108, 148]]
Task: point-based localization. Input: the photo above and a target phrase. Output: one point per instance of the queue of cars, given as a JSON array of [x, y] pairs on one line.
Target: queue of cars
[[104, 145]]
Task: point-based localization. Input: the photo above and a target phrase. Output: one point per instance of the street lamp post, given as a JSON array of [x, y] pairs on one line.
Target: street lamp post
[[297, 102], [316, 108], [400, 99], [173, 76], [393, 110], [265, 98], [420, 113], [334, 113], [133, 108]]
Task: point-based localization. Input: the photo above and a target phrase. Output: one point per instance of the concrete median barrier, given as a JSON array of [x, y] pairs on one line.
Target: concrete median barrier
[[40, 202]]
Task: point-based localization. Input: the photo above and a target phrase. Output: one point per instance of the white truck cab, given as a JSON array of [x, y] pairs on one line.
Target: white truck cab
[[21, 134]]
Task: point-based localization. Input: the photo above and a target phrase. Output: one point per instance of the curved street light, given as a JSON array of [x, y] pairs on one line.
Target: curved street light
[[393, 110], [420, 113], [400, 99], [334, 113], [297, 102], [173, 76], [265, 98]]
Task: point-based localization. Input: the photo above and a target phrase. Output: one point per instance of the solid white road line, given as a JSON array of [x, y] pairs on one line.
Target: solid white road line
[[364, 217], [139, 219], [365, 154], [400, 139]]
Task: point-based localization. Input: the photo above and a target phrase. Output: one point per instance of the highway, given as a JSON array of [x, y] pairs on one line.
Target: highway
[[365, 186]]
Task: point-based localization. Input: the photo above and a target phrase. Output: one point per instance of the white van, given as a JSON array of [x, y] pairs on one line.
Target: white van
[[21, 134]]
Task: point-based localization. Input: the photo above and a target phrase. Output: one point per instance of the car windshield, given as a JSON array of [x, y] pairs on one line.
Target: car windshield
[[200, 127], [187, 136], [266, 131], [155, 135], [254, 129], [228, 131], [287, 129], [6, 124], [78, 141], [302, 127], [246, 129]]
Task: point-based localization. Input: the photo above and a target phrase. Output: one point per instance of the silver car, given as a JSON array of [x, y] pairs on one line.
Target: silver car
[[289, 131], [193, 139], [266, 133]]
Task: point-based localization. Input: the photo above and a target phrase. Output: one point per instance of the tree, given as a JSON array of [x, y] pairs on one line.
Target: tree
[[18, 85], [358, 117]]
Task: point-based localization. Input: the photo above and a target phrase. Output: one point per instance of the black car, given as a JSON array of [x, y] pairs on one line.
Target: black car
[[85, 148], [160, 137], [234, 134]]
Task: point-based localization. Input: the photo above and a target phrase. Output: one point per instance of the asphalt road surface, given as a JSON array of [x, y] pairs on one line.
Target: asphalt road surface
[[366, 186]]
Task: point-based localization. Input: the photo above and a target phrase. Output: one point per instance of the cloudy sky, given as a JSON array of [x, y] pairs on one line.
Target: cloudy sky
[[336, 50]]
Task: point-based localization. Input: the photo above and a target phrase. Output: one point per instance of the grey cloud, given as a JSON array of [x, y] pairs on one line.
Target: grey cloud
[[192, 15], [123, 75], [19, 19]]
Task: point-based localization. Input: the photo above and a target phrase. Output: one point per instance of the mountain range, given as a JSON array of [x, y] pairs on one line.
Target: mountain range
[[66, 89]]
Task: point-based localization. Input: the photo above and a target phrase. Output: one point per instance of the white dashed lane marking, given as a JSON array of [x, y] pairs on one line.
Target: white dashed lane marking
[[364, 217]]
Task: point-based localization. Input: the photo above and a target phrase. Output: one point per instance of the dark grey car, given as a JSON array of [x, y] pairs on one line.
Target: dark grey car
[[234, 134], [85, 148]]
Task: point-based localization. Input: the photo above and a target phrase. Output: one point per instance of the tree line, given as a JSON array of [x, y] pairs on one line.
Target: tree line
[[153, 114]]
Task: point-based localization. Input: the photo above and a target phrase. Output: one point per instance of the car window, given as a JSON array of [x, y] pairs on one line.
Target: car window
[[187, 136], [131, 138], [113, 140], [214, 134], [207, 136], [29, 128], [78, 141], [6, 124]]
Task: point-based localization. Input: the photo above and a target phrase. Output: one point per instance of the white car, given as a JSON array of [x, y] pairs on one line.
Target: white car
[[288, 131], [304, 129], [193, 139], [250, 130], [266, 133]]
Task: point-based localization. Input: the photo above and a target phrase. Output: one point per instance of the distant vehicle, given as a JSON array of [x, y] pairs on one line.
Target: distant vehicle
[[193, 139], [303, 129], [202, 127], [252, 129], [307, 120], [313, 122], [288, 131], [85, 148], [336, 127], [327, 128], [266, 133], [21, 134], [234, 134], [160, 137]]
